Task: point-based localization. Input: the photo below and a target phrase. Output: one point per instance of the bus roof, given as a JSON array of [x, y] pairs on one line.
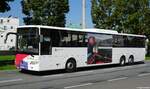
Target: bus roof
[[94, 30]]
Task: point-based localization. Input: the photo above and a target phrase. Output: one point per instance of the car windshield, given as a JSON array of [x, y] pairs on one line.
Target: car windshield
[[28, 40]]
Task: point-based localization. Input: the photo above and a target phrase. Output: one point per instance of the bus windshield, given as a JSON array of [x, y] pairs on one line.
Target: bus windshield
[[28, 40]]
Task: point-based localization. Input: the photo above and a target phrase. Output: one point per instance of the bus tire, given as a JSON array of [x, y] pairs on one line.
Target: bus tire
[[70, 65], [131, 59], [122, 61]]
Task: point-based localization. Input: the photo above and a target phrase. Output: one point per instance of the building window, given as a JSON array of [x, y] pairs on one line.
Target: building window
[[8, 20], [11, 40], [11, 27], [5, 27], [1, 21]]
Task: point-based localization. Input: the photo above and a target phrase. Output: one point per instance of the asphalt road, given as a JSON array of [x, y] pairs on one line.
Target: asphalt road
[[111, 77]]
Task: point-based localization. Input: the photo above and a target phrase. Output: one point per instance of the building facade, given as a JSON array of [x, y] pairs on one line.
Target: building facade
[[8, 25]]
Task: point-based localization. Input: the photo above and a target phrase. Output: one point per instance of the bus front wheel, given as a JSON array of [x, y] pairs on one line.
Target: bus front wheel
[[71, 65]]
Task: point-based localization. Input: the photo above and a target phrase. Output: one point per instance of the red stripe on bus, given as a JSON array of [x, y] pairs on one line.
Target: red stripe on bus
[[19, 58]]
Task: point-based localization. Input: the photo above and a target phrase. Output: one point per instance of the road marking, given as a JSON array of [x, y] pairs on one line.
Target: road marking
[[143, 87], [143, 65], [111, 80], [13, 80], [81, 85], [145, 74], [53, 75], [140, 65], [133, 66], [86, 72]]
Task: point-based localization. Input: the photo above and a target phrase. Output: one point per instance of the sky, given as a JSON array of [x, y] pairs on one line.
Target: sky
[[73, 16]]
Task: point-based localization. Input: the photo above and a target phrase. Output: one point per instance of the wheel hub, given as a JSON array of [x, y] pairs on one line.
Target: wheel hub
[[70, 65]]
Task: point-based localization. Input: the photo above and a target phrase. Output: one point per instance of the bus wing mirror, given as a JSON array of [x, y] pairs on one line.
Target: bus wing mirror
[[10, 33], [41, 38]]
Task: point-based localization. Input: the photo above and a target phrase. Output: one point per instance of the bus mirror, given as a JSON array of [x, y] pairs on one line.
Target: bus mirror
[[41, 38], [8, 35]]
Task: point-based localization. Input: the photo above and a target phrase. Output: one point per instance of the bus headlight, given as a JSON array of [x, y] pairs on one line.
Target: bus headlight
[[34, 62]]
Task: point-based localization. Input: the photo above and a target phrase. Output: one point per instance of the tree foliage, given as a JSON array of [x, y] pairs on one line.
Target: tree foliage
[[45, 12], [129, 16], [4, 6]]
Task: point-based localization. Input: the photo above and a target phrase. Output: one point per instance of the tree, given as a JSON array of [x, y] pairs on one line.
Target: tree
[[4, 6], [101, 11], [45, 12], [129, 16]]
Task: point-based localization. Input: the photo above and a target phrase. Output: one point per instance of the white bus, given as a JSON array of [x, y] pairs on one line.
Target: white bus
[[41, 48]]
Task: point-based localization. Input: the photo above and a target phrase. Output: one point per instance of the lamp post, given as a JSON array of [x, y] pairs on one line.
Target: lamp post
[[83, 14]]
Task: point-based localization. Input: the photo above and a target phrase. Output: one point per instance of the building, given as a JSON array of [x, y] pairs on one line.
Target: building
[[8, 25]]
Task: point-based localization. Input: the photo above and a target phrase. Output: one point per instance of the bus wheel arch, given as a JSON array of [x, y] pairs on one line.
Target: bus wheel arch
[[71, 65], [122, 60], [131, 59]]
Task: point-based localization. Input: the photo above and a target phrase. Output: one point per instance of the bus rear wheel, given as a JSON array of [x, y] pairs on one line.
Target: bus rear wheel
[[122, 61], [70, 66], [131, 59]]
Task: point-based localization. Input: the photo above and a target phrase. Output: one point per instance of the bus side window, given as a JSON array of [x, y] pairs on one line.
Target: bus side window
[[85, 40], [82, 40], [65, 39], [118, 41], [55, 36], [46, 44], [74, 40]]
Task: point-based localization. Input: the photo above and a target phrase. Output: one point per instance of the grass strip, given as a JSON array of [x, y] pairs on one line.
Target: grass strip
[[8, 67]]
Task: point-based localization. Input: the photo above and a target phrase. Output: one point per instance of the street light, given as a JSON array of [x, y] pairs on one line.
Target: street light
[[83, 14]]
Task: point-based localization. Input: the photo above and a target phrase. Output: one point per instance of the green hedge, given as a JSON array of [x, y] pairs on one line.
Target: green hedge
[[4, 58], [147, 58]]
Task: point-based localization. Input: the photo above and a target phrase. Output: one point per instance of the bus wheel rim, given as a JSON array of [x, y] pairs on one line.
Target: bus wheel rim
[[131, 60], [70, 65], [122, 62]]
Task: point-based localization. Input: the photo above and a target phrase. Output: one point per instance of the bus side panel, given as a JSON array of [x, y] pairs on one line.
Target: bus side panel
[[46, 62], [60, 55], [138, 53]]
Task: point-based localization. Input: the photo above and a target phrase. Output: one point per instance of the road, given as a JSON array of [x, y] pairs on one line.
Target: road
[[112, 77]]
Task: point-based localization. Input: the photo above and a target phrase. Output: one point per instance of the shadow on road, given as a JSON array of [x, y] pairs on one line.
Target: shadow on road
[[62, 71]]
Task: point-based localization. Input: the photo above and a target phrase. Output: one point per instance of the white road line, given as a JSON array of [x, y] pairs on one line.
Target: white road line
[[143, 87], [81, 85], [133, 66], [13, 80], [145, 74], [86, 72], [143, 65], [111, 80], [53, 75], [140, 65]]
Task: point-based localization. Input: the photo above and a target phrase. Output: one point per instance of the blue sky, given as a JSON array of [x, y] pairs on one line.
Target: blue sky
[[74, 15]]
